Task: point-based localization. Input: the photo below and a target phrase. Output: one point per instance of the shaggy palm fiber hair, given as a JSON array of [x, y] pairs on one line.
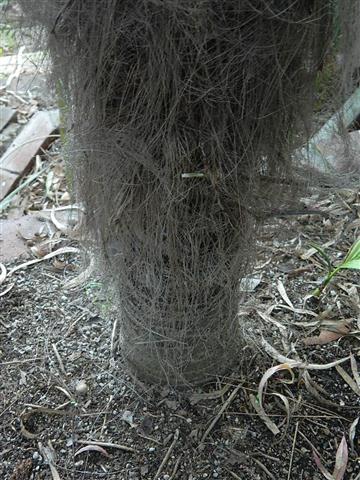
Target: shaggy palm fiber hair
[[182, 117]]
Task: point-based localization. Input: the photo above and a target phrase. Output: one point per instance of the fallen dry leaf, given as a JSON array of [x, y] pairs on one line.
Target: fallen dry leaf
[[350, 381], [352, 433], [284, 295], [257, 403], [340, 462], [3, 273], [330, 334], [92, 448], [342, 457]]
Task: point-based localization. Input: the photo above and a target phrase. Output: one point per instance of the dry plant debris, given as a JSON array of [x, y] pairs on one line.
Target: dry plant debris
[[221, 430]]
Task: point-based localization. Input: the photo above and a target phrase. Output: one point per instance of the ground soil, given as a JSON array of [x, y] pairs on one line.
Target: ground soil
[[41, 407]]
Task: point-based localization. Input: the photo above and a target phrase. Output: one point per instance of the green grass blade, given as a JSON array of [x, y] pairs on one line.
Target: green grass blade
[[354, 252], [351, 264], [322, 254]]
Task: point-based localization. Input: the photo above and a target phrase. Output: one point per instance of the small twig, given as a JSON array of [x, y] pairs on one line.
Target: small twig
[[72, 326], [65, 392], [149, 438], [15, 362], [111, 398], [58, 358], [311, 445], [113, 337], [167, 455], [175, 468], [234, 475], [106, 444], [262, 466], [221, 411], [293, 450]]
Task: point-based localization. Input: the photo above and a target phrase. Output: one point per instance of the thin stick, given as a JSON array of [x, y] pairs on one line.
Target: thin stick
[[293, 450], [113, 337], [58, 358], [234, 475], [222, 409], [262, 466], [167, 455], [106, 444], [175, 468], [15, 362], [311, 445]]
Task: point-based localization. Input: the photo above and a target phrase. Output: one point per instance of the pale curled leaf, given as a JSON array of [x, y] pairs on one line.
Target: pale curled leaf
[[92, 448], [268, 374], [342, 457], [60, 251], [284, 295], [264, 417], [346, 377], [82, 277], [7, 289], [273, 353], [355, 370], [272, 320], [3, 273], [352, 433], [258, 403]]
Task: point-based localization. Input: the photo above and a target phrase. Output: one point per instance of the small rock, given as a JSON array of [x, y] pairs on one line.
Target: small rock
[[36, 457], [81, 387]]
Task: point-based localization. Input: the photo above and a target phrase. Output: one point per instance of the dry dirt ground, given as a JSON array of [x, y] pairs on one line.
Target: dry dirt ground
[[63, 387], [69, 410]]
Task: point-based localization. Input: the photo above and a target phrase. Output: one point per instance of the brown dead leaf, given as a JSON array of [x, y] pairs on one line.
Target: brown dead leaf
[[41, 249], [333, 331], [58, 264]]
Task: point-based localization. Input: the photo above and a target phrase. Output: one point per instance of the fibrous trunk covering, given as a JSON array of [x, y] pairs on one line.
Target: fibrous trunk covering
[[183, 114]]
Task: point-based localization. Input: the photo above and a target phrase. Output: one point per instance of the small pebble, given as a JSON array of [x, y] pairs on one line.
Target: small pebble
[[81, 387], [36, 456]]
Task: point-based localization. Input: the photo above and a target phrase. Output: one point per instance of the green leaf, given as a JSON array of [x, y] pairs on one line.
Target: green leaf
[[351, 264], [322, 254], [354, 252]]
